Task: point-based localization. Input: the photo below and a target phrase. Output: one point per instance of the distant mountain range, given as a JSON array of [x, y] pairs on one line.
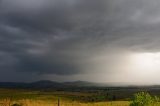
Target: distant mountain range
[[47, 84]]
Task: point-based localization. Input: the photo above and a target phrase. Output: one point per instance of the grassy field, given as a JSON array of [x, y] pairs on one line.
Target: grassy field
[[21, 97], [29, 102], [9, 97]]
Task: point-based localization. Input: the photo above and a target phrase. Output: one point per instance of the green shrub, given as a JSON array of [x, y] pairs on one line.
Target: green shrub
[[144, 99]]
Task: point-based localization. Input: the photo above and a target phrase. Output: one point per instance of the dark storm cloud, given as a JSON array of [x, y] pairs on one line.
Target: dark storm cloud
[[62, 36]]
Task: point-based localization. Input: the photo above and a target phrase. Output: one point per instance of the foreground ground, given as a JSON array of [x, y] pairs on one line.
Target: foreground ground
[[21, 97], [7, 102]]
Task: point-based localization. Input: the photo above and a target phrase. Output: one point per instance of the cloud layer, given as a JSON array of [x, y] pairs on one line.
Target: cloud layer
[[70, 37]]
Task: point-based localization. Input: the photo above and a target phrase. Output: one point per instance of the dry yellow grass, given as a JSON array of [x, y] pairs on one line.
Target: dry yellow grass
[[27, 102]]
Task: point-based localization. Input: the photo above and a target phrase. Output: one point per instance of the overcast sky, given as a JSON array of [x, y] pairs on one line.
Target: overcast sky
[[67, 40]]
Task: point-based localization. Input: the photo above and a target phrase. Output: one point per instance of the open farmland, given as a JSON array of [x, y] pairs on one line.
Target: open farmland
[[28, 97]]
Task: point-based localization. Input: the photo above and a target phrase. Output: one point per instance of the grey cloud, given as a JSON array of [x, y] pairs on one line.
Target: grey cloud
[[62, 37]]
